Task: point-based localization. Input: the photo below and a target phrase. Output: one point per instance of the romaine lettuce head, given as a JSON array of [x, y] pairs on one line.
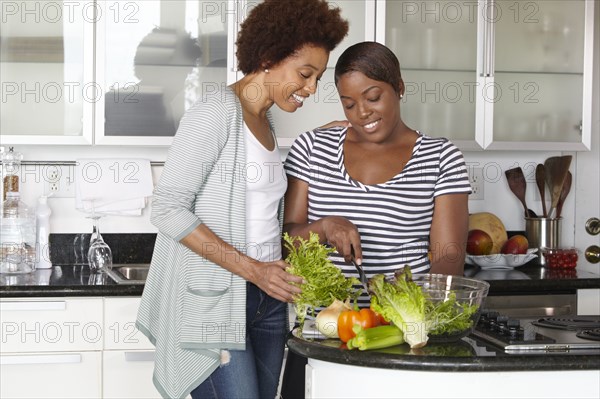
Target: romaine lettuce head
[[403, 303]]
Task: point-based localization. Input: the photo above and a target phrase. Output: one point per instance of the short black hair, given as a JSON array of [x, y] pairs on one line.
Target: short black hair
[[374, 60]]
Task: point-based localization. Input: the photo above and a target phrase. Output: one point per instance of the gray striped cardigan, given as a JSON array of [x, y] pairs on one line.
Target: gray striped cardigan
[[192, 308]]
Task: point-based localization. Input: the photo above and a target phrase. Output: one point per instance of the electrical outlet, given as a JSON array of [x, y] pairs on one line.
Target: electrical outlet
[[59, 182], [477, 183]]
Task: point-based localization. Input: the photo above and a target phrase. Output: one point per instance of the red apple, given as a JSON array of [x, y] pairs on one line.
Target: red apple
[[516, 244], [479, 243]]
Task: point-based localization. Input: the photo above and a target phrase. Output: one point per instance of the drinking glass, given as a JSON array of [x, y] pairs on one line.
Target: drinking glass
[[99, 255]]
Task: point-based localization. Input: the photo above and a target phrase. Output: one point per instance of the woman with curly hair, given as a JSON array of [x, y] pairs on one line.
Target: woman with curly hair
[[215, 300]]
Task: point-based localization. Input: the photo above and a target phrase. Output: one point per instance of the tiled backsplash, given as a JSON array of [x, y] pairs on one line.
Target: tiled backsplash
[[71, 249]]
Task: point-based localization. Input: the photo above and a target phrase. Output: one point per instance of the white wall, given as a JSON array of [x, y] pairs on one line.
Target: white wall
[[498, 198]]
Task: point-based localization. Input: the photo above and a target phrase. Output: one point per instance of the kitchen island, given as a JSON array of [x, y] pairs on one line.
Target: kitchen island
[[468, 368]]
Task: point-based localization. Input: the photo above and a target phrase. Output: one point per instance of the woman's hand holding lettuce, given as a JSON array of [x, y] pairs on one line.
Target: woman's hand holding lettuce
[[324, 282]]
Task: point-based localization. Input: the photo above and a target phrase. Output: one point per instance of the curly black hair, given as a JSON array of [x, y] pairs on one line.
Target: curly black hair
[[276, 29]]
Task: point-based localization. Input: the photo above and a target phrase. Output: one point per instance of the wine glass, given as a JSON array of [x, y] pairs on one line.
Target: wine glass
[[99, 255]]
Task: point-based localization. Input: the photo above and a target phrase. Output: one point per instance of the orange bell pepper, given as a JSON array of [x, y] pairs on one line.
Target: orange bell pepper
[[382, 321], [347, 319]]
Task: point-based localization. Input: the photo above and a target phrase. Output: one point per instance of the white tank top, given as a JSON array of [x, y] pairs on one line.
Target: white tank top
[[266, 183]]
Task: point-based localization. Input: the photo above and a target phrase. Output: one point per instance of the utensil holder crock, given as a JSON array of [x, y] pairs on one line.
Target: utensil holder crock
[[543, 233]]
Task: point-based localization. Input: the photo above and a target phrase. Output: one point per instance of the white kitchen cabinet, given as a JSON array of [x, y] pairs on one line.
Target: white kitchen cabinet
[[155, 59], [128, 374], [56, 343], [331, 380], [588, 302], [128, 357], [120, 314], [46, 375], [497, 75], [51, 325], [46, 72], [488, 74]]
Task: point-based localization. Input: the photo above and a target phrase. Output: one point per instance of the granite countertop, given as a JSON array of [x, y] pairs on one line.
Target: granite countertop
[[60, 281], [467, 354], [71, 277], [76, 280]]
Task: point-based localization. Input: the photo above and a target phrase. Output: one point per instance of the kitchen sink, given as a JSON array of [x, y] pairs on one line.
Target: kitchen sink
[[135, 273]]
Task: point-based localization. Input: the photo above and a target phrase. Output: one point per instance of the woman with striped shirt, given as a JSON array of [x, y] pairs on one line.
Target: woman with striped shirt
[[378, 191], [381, 193]]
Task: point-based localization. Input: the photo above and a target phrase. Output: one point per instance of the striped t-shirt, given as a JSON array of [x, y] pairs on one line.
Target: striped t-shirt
[[393, 218]]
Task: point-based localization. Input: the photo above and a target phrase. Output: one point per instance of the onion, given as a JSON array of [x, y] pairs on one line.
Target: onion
[[327, 319]]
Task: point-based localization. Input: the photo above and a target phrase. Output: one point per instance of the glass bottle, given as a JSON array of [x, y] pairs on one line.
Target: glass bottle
[[17, 236], [11, 164]]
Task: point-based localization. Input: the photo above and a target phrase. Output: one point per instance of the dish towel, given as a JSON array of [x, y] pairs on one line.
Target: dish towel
[[112, 186]]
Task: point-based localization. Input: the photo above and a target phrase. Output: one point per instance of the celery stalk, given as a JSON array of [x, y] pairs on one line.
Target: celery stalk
[[376, 338]]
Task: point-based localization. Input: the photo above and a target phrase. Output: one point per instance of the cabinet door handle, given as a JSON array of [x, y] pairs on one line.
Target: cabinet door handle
[[40, 359], [142, 356], [52, 305]]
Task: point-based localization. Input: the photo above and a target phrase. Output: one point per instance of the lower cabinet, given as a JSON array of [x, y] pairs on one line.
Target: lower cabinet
[[51, 348], [128, 374], [61, 375], [128, 357], [74, 348], [588, 302]]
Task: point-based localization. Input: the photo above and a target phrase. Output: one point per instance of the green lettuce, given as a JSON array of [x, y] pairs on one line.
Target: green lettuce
[[405, 304], [323, 281], [402, 303]]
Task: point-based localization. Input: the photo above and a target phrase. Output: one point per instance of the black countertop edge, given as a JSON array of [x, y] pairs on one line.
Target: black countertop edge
[[71, 291], [503, 362], [532, 286]]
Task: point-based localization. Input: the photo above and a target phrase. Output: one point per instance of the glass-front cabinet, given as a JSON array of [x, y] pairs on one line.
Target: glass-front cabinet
[[488, 74], [495, 74], [47, 87], [436, 44], [325, 106], [155, 59]]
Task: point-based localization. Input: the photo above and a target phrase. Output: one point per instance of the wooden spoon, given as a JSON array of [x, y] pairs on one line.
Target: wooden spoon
[[556, 172], [563, 193], [518, 185], [540, 180]]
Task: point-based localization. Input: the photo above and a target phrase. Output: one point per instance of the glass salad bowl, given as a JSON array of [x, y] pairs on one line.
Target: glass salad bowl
[[455, 304]]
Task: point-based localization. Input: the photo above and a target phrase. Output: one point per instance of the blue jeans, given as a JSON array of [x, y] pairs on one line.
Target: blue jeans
[[254, 372]]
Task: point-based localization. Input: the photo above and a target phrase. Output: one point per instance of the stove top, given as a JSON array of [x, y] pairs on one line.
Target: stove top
[[549, 334]]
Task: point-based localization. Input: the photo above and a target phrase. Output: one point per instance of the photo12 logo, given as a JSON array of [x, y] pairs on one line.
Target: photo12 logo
[[59, 12], [452, 12]]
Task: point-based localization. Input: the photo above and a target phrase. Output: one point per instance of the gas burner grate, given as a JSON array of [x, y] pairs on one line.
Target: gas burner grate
[[593, 335], [569, 323]]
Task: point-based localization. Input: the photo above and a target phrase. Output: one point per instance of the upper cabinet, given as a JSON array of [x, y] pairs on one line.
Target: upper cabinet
[[487, 74], [46, 55], [325, 105], [155, 59], [514, 75], [436, 44]]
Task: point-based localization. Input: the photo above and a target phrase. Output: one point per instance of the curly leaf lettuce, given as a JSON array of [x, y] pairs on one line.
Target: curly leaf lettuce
[[324, 282]]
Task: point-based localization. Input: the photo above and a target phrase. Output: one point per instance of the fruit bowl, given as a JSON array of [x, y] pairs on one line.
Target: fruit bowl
[[501, 261], [468, 294]]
